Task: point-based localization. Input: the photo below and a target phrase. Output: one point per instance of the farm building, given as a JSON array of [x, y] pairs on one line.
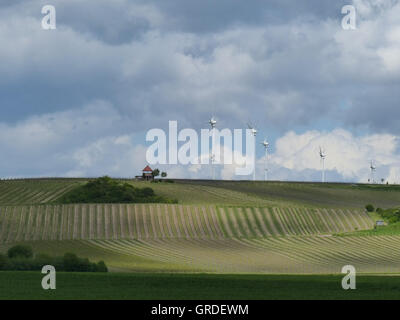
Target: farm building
[[147, 174]]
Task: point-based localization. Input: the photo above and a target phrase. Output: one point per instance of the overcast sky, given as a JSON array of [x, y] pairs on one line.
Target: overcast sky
[[78, 100]]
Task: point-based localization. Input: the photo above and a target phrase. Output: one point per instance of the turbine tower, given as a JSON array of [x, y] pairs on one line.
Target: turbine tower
[[213, 124], [254, 133], [265, 143], [373, 169], [322, 156]]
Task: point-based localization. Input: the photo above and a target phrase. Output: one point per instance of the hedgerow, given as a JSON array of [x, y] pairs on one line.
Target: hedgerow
[[17, 259]]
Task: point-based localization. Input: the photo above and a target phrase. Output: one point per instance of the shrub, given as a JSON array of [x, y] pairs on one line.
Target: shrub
[[146, 192], [3, 262], [21, 264], [20, 251], [23, 260], [390, 215], [101, 267], [42, 259], [107, 190], [70, 262], [156, 172], [370, 208]]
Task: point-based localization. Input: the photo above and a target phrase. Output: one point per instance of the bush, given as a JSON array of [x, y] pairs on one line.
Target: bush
[[146, 192], [26, 262], [71, 262], [107, 190], [42, 259], [3, 262], [101, 267], [390, 215], [370, 208], [20, 251]]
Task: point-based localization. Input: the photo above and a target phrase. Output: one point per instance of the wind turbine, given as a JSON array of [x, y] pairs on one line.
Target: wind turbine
[[265, 143], [213, 124], [373, 169], [322, 156], [254, 132]]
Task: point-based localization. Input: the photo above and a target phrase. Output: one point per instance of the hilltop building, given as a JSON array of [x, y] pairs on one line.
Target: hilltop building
[[147, 174]]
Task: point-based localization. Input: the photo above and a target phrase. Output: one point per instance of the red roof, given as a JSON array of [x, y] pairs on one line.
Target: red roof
[[147, 169]]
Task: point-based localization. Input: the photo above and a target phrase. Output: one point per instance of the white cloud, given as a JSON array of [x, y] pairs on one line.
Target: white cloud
[[113, 156], [37, 133], [82, 143], [303, 68], [348, 156]]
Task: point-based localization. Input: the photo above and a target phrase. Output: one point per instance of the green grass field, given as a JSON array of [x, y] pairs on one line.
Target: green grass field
[[221, 228], [147, 286]]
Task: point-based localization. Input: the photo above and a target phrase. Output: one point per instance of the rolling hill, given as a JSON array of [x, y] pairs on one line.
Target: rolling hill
[[236, 193], [224, 227]]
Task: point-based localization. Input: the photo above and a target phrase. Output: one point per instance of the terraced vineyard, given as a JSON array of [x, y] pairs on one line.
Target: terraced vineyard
[[230, 227], [203, 238], [41, 191], [225, 193], [122, 221], [18, 192], [295, 254], [310, 254]]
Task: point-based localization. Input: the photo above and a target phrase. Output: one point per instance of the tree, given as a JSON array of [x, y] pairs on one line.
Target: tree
[[101, 267], [71, 262], [147, 192], [156, 173], [106, 190], [20, 251], [3, 261], [370, 208], [163, 174]]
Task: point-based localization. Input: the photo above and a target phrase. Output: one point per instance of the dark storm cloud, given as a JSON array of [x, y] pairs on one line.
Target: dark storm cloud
[[177, 58], [122, 21], [285, 65], [212, 16], [378, 109]]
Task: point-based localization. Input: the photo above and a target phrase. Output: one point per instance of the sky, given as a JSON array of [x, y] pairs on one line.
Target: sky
[[78, 101]]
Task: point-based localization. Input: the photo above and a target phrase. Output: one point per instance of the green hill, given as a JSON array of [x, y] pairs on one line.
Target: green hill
[[234, 193], [34, 191], [217, 226], [160, 237]]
